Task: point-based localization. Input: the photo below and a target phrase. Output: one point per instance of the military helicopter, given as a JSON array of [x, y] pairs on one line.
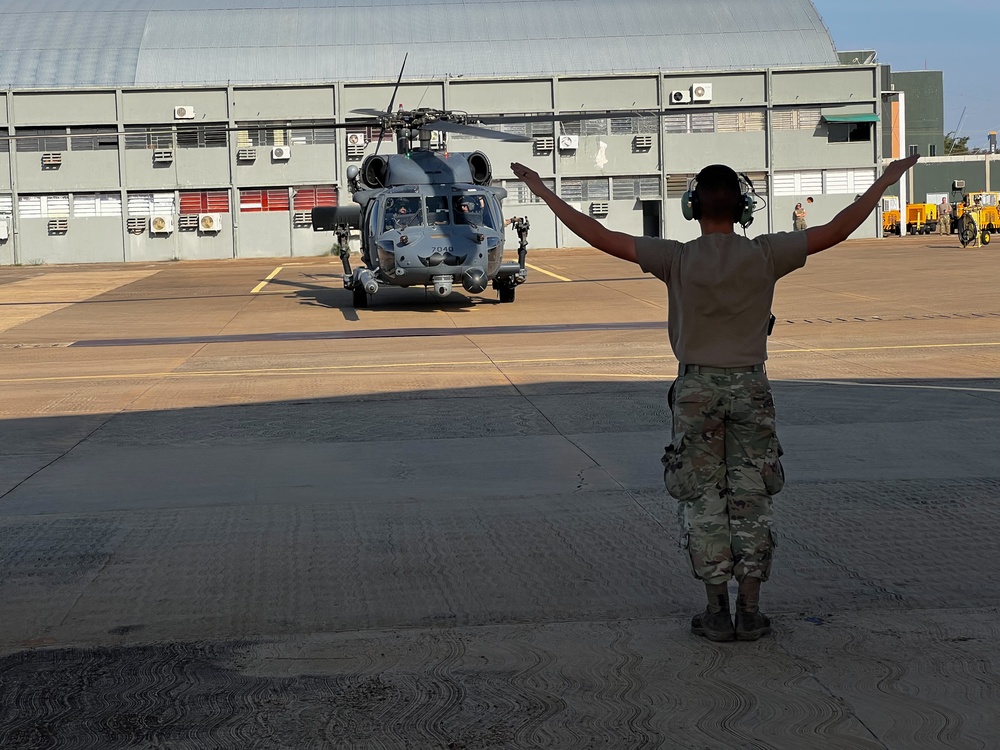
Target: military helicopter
[[427, 217]]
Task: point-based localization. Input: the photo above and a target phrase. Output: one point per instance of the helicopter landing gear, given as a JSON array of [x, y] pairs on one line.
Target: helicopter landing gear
[[507, 293]]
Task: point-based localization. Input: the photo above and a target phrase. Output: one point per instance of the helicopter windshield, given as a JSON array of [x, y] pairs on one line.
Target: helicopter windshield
[[473, 209], [403, 212], [437, 210]]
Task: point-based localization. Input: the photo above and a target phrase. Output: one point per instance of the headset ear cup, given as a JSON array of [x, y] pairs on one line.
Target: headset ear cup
[[744, 214], [690, 205]]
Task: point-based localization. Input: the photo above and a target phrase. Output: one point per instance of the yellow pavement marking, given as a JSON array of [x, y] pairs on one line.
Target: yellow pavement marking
[[263, 284], [374, 368], [547, 273], [885, 348], [918, 386], [29, 299]]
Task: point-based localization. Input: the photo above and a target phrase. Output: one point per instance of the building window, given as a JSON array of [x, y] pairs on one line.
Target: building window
[[805, 118], [519, 193], [574, 190], [932, 149], [43, 206], [149, 137], [635, 188], [92, 139], [97, 204], [308, 198], [849, 132], [151, 204], [202, 136], [41, 139], [204, 201], [266, 199]]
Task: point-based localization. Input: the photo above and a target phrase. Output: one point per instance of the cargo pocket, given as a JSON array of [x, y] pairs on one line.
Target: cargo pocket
[[678, 474], [771, 470]]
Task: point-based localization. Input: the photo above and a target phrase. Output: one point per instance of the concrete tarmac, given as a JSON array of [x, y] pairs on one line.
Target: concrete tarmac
[[236, 512]]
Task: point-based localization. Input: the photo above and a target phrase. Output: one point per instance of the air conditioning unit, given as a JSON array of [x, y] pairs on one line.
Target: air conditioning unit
[[701, 92], [58, 226], [51, 159], [161, 224], [356, 139], [184, 112], [246, 154], [281, 153], [599, 208], [4, 230], [569, 142], [210, 222], [680, 97], [163, 156], [957, 185]]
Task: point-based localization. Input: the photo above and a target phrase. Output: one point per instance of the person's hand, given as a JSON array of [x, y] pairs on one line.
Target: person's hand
[[526, 175], [899, 167]]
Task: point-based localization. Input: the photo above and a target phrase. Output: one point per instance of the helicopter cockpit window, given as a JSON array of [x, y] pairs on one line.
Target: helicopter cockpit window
[[403, 212], [472, 209], [437, 210]]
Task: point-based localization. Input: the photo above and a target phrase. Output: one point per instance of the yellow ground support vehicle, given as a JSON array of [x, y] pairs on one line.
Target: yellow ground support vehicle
[[921, 218], [985, 207], [971, 229]]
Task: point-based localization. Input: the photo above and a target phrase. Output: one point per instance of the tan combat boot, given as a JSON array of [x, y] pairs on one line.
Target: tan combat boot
[[751, 623], [715, 623]]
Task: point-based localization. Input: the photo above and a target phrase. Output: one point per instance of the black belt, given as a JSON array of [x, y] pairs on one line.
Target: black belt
[[705, 370]]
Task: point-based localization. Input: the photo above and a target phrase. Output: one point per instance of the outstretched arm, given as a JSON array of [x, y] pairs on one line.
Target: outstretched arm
[[839, 228], [619, 244]]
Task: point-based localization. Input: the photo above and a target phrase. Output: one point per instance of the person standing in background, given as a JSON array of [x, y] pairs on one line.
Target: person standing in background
[[798, 218], [944, 217]]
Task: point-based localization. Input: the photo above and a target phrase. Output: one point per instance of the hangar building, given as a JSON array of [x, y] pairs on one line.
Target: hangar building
[[138, 130]]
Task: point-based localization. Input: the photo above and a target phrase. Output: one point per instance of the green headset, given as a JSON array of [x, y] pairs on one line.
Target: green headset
[[691, 203]]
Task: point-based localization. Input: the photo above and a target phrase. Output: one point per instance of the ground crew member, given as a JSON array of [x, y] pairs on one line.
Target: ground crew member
[[722, 464], [798, 218], [944, 217]]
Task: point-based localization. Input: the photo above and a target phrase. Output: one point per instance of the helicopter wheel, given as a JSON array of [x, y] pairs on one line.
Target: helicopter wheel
[[360, 297], [507, 293]]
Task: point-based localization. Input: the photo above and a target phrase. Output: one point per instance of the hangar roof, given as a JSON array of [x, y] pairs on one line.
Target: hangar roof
[[70, 43]]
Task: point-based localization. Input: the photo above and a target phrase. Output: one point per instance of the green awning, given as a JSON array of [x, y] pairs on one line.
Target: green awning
[[851, 118]]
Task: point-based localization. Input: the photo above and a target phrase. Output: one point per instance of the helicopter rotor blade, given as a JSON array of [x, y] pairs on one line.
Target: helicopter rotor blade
[[376, 113], [563, 116], [447, 126], [398, 80], [392, 101]]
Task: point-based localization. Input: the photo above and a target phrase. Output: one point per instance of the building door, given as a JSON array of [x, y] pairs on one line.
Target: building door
[[651, 218]]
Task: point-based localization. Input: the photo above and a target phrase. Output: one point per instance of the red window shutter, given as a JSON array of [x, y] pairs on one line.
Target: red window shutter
[[216, 201], [307, 198], [276, 200], [251, 200], [191, 202]]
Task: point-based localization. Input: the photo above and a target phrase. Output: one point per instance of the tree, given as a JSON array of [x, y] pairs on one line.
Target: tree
[[956, 146]]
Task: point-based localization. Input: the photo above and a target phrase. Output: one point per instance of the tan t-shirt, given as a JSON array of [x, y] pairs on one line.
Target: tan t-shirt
[[719, 292]]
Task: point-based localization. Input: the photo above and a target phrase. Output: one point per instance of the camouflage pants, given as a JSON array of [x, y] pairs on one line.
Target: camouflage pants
[[723, 467]]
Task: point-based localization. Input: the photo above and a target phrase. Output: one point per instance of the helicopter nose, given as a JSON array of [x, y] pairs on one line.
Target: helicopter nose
[[474, 280]]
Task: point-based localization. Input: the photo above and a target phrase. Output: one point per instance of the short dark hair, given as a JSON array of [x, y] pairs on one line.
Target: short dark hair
[[719, 192]]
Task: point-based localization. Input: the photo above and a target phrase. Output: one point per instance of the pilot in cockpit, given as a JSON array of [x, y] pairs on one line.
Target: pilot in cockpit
[[467, 212], [402, 212]]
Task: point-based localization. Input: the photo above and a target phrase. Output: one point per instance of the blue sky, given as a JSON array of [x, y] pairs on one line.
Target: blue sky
[[959, 39]]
